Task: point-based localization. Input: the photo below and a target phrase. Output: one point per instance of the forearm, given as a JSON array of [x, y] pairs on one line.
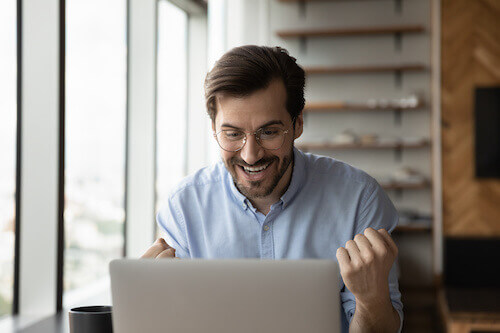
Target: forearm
[[375, 318]]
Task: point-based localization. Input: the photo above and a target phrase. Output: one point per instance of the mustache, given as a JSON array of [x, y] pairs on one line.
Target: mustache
[[261, 162]]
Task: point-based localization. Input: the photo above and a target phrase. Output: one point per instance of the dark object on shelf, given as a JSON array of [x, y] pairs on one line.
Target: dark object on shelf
[[487, 117]]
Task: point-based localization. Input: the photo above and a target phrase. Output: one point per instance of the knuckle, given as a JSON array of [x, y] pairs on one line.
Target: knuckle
[[383, 252], [349, 243], [356, 266], [369, 257]]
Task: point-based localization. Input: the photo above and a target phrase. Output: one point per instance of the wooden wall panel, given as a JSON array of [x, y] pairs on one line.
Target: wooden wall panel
[[470, 57]]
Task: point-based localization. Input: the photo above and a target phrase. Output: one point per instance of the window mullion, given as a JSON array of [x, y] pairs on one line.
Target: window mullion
[[141, 128], [40, 134]]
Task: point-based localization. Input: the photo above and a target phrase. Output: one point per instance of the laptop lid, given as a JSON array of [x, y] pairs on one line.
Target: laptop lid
[[225, 296]]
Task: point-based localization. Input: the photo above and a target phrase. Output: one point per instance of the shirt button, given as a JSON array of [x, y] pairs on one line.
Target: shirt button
[[266, 227]]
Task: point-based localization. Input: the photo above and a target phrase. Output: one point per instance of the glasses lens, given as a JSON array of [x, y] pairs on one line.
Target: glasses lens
[[231, 140], [271, 137]]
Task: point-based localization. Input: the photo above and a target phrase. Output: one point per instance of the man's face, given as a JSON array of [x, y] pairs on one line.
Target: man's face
[[262, 109]]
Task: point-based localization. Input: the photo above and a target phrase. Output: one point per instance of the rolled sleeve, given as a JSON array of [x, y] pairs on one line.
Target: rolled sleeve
[[376, 211]]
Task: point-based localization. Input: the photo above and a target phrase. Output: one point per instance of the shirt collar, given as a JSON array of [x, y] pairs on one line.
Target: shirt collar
[[298, 176]]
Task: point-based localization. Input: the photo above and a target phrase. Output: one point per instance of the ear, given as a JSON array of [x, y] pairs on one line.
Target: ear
[[299, 126]]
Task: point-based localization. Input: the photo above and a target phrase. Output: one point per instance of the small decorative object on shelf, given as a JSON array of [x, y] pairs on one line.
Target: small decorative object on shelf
[[369, 139], [407, 175], [414, 217], [346, 137]]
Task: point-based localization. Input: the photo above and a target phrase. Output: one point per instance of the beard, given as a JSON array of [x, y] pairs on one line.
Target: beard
[[261, 188]]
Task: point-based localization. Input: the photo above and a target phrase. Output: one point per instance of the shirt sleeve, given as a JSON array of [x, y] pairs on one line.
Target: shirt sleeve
[[171, 221], [376, 211]]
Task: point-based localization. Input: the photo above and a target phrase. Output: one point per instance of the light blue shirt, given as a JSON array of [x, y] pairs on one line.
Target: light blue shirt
[[326, 204]]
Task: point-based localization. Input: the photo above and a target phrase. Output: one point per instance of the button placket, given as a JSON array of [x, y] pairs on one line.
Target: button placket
[[267, 238]]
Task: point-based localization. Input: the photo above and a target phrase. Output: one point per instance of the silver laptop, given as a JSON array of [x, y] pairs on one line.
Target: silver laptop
[[225, 296]]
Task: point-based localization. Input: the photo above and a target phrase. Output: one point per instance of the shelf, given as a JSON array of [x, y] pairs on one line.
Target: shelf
[[337, 146], [416, 228], [363, 69], [355, 31], [330, 107], [407, 186]]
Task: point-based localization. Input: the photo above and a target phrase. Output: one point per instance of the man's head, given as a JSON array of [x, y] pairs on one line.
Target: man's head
[[254, 89], [246, 69]]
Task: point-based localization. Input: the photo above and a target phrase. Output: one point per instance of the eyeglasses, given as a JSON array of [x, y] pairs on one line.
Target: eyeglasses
[[271, 138]]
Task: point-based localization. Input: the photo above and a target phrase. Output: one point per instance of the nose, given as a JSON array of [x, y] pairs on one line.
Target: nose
[[251, 152]]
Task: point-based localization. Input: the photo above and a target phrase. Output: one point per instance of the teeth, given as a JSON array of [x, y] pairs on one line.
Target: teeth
[[247, 169]]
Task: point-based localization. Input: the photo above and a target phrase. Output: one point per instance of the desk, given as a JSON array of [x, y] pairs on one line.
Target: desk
[[57, 323]]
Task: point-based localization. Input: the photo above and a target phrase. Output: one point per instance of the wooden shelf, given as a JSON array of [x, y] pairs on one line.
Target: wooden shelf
[[406, 186], [330, 107], [413, 228], [354, 31], [363, 69], [338, 146]]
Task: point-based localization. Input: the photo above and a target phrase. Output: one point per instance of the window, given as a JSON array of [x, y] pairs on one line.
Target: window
[[171, 98], [95, 142], [8, 119]]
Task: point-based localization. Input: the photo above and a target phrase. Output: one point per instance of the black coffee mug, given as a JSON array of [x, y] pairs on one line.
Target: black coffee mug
[[90, 319]]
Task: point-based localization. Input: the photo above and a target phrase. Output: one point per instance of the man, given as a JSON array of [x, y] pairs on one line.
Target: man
[[266, 199]]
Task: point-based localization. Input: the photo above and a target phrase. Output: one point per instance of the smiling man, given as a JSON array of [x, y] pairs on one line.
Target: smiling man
[[269, 200]]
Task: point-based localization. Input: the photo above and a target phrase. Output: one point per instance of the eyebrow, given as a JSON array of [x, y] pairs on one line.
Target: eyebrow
[[269, 123]]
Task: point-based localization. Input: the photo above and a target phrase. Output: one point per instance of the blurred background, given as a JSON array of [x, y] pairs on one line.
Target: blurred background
[[102, 112]]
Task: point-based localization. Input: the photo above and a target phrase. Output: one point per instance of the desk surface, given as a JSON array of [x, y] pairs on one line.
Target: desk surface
[[57, 323]]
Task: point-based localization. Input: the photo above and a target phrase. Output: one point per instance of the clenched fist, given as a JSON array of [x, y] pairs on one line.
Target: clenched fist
[[365, 263], [159, 249]]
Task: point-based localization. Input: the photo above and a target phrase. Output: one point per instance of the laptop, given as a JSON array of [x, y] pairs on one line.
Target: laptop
[[225, 296]]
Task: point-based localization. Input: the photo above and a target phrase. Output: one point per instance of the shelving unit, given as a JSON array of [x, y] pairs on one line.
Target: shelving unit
[[343, 86]]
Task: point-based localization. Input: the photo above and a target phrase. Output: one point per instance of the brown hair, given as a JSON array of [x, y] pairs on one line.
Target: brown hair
[[246, 69]]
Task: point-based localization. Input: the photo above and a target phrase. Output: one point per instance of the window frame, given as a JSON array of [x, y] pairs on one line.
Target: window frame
[[39, 197]]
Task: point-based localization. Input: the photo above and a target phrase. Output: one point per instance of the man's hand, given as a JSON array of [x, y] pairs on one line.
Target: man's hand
[[159, 249], [364, 264]]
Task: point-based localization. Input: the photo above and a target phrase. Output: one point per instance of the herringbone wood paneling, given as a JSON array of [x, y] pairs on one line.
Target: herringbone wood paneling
[[470, 57]]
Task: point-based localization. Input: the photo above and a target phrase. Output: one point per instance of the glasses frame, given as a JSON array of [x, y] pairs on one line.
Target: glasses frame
[[285, 132]]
